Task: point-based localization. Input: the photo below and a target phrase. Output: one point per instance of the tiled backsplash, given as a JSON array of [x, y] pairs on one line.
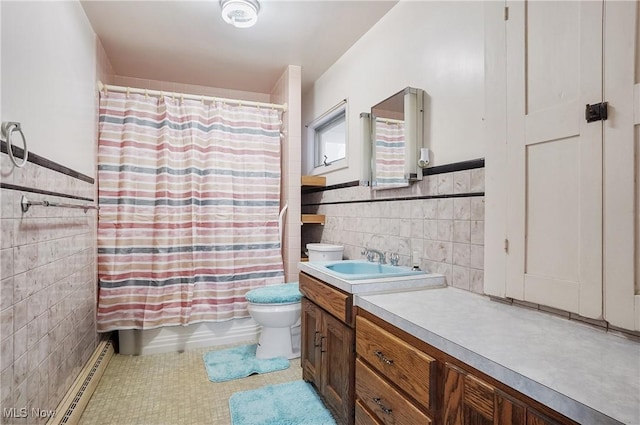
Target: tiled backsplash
[[441, 218], [47, 289]]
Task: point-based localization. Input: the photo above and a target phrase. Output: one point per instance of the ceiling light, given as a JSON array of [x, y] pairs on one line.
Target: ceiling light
[[240, 13]]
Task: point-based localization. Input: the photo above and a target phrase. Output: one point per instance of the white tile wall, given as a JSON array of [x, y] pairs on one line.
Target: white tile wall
[[47, 290], [447, 233]]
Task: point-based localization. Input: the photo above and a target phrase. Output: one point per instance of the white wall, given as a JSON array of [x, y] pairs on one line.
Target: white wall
[[48, 79], [1, 63], [434, 46]]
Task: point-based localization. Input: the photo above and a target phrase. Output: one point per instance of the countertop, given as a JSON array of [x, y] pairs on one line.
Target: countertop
[[588, 375]]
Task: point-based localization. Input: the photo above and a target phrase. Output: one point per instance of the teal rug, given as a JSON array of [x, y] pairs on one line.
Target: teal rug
[[293, 403], [239, 362]]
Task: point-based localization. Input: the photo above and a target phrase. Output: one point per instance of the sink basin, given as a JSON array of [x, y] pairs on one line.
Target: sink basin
[[364, 268], [360, 269], [362, 277]]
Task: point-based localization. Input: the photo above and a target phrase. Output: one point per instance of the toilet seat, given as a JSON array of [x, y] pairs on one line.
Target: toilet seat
[[286, 293]]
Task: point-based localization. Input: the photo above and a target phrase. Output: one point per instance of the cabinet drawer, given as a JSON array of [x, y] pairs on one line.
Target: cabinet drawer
[[388, 405], [399, 361], [363, 417], [337, 303]]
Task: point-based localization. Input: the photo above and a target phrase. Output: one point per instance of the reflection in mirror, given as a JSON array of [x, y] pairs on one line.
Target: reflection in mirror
[[396, 139], [389, 143]]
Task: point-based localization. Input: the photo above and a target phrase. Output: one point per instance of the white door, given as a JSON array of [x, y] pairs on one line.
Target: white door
[[554, 217], [622, 164]]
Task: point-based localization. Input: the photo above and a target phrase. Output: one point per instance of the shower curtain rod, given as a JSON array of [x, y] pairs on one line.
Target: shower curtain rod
[[389, 120], [106, 88]]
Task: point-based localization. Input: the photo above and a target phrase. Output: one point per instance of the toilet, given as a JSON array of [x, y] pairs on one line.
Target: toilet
[[277, 309]]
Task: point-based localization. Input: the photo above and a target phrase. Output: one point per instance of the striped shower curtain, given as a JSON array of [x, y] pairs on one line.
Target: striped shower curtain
[[389, 154], [189, 200]]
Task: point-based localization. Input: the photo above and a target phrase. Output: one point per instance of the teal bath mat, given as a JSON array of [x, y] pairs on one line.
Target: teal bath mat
[[293, 403], [239, 362]]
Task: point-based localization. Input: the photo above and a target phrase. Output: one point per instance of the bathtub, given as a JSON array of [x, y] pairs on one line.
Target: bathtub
[[179, 338]]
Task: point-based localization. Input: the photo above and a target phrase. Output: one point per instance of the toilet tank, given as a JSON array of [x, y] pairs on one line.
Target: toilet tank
[[324, 252]]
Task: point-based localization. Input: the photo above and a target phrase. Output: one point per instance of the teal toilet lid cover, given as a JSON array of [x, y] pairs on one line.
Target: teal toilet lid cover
[[275, 294]]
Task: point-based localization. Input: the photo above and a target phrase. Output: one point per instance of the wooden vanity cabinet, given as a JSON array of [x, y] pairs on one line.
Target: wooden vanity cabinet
[[399, 378], [327, 346]]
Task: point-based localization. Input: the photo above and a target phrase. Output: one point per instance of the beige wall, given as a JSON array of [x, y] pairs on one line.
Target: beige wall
[[104, 70], [169, 87], [431, 45]]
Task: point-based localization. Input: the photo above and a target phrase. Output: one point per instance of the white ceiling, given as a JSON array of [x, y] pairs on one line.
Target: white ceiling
[[188, 42]]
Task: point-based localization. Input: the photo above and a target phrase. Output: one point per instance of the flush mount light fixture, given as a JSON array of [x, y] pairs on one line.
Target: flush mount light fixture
[[240, 13]]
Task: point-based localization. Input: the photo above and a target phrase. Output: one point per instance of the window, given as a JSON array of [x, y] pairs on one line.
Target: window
[[330, 141], [329, 136]]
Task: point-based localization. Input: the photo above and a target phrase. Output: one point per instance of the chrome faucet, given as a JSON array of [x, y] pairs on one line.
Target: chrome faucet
[[371, 253]]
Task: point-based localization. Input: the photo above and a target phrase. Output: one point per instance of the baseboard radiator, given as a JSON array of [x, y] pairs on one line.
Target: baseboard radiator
[[75, 400]]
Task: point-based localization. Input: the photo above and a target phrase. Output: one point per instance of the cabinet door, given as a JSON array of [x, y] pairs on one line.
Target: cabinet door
[[554, 225], [470, 401], [338, 357], [310, 344], [622, 164], [535, 418]]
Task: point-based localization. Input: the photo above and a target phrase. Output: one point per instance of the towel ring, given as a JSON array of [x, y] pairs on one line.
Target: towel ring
[[7, 132]]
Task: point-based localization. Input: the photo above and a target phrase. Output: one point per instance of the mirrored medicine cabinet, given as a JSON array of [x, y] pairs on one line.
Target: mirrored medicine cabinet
[[392, 138]]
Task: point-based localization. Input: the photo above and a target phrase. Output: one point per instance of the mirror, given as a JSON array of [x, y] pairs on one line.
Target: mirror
[[396, 138]]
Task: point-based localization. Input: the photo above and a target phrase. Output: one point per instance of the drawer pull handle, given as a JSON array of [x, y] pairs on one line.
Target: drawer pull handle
[[383, 358], [378, 401]]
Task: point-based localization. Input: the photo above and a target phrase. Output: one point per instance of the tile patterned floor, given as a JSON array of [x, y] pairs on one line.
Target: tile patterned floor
[[171, 389]]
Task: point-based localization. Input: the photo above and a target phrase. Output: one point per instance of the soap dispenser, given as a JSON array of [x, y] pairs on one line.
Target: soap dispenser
[[415, 260]]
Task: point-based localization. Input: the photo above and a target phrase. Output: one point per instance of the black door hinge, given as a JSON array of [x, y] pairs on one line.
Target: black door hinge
[[596, 112]]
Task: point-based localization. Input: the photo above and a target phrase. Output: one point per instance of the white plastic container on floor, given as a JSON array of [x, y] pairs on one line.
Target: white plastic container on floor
[[324, 252]]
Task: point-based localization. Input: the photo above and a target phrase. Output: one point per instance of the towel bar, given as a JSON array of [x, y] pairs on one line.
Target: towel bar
[[26, 204]]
